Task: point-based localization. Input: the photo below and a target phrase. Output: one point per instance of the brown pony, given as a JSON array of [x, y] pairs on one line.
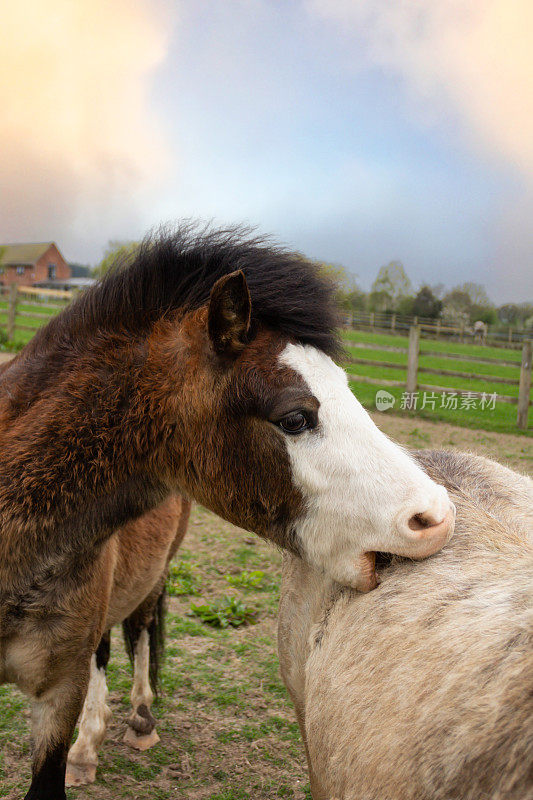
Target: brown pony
[[202, 368], [141, 552]]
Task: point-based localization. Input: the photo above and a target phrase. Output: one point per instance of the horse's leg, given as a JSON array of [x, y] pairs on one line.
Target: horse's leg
[[92, 726], [143, 632], [144, 637], [54, 715]]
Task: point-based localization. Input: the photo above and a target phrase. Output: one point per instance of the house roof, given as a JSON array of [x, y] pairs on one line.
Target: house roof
[[23, 253]]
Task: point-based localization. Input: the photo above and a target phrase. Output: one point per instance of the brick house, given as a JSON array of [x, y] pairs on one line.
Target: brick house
[[27, 264]]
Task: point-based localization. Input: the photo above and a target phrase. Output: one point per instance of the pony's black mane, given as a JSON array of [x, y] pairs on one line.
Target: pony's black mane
[[177, 270]]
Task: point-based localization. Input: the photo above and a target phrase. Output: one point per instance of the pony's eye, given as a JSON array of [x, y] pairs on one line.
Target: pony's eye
[[294, 423]]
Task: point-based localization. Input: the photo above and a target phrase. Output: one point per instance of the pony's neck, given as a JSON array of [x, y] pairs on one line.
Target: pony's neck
[[86, 454]]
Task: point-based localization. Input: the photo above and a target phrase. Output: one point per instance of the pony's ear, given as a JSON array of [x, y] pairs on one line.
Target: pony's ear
[[230, 309]]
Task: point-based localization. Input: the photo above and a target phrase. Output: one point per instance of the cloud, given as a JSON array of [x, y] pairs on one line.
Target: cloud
[[469, 58], [78, 139]]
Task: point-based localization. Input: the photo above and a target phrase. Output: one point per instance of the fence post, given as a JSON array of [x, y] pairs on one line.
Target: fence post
[[371, 319], [438, 329], [412, 358], [393, 322], [510, 336], [525, 386], [11, 311]]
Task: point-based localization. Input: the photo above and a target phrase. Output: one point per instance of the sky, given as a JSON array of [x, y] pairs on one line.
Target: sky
[[357, 131]]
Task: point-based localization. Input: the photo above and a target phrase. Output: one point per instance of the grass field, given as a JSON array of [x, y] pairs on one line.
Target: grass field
[[501, 418], [227, 727]]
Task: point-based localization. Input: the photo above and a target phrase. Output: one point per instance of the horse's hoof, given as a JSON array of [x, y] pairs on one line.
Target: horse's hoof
[[80, 774], [140, 742]]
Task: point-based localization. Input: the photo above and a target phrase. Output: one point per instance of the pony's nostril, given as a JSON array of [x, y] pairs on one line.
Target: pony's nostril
[[419, 522], [424, 533]]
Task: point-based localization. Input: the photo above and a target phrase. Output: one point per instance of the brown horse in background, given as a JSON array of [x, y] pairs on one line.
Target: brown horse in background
[[141, 552], [203, 369]]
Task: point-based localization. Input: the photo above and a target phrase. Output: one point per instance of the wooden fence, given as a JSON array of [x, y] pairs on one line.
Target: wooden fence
[[413, 352], [399, 325], [39, 307]]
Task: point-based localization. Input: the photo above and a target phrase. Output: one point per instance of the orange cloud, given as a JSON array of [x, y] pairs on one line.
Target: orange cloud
[[77, 137], [470, 56]]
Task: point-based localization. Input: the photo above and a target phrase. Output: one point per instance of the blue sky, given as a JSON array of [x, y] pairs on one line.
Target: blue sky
[[352, 133]]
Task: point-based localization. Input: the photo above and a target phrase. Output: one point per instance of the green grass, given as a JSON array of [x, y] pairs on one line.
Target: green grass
[[225, 612], [182, 580], [248, 580], [502, 418]]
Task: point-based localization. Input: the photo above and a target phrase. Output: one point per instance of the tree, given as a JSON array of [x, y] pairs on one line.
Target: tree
[[486, 314], [349, 296], [426, 304], [404, 306], [357, 299], [116, 252], [517, 314], [481, 308], [439, 290], [456, 306], [469, 302], [476, 292], [509, 313], [390, 286]]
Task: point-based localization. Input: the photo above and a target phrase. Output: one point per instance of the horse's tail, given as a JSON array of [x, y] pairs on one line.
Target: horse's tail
[[132, 628]]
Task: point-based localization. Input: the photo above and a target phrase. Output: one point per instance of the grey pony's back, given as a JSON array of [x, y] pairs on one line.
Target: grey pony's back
[[423, 688], [479, 484]]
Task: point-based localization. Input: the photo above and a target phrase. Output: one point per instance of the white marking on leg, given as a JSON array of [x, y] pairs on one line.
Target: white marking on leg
[[141, 733], [141, 691], [92, 726]]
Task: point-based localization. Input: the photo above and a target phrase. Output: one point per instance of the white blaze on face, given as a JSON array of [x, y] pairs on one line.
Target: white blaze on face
[[362, 490]]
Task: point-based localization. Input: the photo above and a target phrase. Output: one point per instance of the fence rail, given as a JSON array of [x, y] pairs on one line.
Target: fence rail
[[399, 325], [413, 367], [437, 353], [36, 290], [35, 300], [450, 372]]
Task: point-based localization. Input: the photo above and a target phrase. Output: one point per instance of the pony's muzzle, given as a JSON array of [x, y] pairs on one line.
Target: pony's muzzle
[[424, 534]]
